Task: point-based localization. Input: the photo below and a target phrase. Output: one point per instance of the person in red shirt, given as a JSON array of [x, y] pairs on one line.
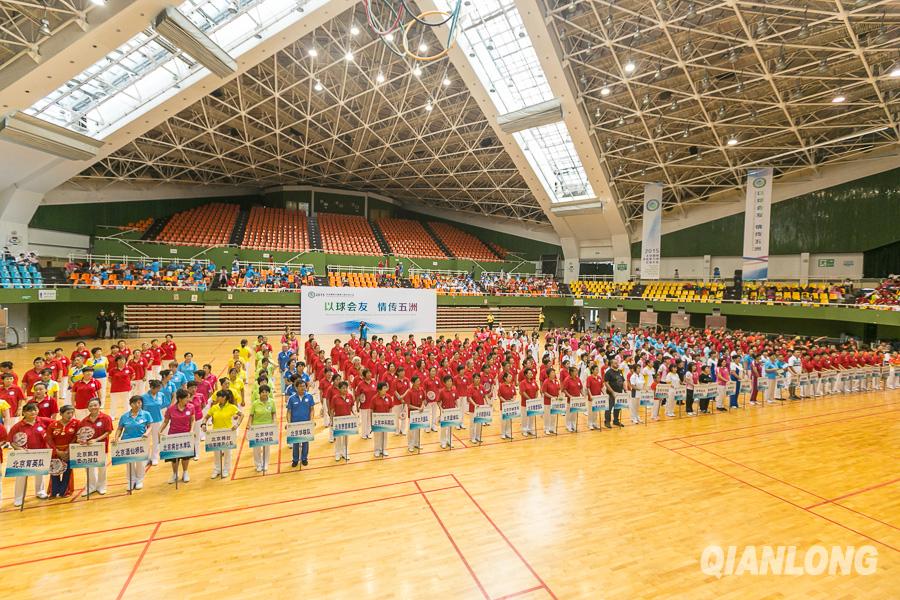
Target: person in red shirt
[[476, 398], [60, 434], [138, 366], [572, 389], [399, 388], [155, 356], [120, 377], [47, 406], [169, 349], [13, 395], [32, 376], [415, 401], [83, 391], [381, 404], [365, 392], [30, 433], [528, 390], [342, 405], [94, 429], [507, 393], [550, 390], [595, 388], [433, 386], [447, 398], [63, 363]]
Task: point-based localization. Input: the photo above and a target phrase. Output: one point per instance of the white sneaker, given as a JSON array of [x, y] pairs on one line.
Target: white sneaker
[[225, 475], [214, 476], [102, 491], [196, 458], [185, 477], [17, 503], [172, 478], [670, 414], [154, 462], [42, 495], [139, 485], [85, 493], [337, 459], [384, 454], [258, 469]]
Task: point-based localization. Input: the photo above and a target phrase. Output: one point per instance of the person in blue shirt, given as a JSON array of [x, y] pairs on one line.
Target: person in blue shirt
[[284, 358], [363, 332], [188, 367], [155, 266], [133, 425], [153, 403], [770, 370], [300, 406]]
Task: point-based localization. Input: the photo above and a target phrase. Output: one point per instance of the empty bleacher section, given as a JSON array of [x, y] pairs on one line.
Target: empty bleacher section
[[409, 238], [156, 227], [496, 249], [460, 243], [437, 240], [276, 229], [347, 234], [684, 291], [240, 227], [315, 236], [159, 319], [208, 225], [466, 318], [380, 238], [20, 276]]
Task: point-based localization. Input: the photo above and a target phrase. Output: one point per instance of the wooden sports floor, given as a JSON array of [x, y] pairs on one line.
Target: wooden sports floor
[[612, 514]]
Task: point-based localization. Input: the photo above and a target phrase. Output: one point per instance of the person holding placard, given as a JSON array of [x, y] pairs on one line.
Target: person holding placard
[[636, 384], [528, 390], [447, 398], [4, 439], [153, 403], [594, 387], [399, 390], [120, 378], [416, 403], [47, 406], [134, 424], [83, 389], [180, 418], [343, 405], [770, 372], [381, 404], [723, 376], [550, 390], [476, 398], [262, 412], [300, 406], [433, 386], [704, 379], [671, 379], [572, 388], [29, 434], [100, 365], [365, 392], [224, 414], [507, 393], [96, 427], [60, 434]]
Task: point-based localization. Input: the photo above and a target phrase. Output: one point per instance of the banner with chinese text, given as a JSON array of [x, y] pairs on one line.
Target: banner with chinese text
[[340, 310]]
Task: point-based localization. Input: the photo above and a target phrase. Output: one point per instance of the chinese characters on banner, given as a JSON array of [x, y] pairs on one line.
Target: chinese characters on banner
[[757, 216], [384, 310], [652, 231]]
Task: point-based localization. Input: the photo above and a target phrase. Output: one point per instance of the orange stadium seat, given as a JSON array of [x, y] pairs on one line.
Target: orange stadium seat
[[207, 225], [276, 229], [462, 244], [347, 234], [409, 238]]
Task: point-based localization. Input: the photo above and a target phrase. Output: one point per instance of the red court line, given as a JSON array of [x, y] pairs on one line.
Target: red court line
[[505, 539], [453, 542], [747, 483], [521, 593], [137, 564], [750, 435], [871, 487], [250, 507], [839, 412], [153, 536]]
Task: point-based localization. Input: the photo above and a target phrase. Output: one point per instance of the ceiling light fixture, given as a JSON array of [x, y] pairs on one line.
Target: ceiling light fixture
[[313, 52], [318, 87], [45, 27], [379, 78], [349, 56], [446, 82], [354, 30], [423, 47], [389, 37], [839, 97], [428, 107], [629, 65], [417, 71], [895, 70], [732, 140], [605, 91], [98, 2]]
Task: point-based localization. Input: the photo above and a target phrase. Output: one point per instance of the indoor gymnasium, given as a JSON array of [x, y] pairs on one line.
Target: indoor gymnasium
[[488, 299]]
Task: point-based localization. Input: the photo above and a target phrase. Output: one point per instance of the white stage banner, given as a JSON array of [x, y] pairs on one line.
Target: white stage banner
[[340, 310], [757, 216], [652, 231]]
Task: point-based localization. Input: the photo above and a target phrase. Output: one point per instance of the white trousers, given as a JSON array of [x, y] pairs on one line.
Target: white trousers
[[475, 432], [380, 443], [446, 432], [435, 415], [261, 456], [414, 439], [400, 412], [222, 462], [720, 396], [135, 473], [118, 403], [19, 494], [63, 388], [365, 422], [527, 423], [340, 448], [571, 420], [892, 377], [549, 421], [634, 407], [506, 428], [96, 479], [461, 404], [102, 393], [154, 440]]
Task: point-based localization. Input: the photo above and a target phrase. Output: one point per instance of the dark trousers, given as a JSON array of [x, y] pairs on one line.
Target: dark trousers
[[689, 400], [704, 404], [59, 484], [298, 454], [614, 412]]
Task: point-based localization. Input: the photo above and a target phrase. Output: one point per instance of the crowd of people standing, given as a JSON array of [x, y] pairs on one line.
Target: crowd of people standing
[[446, 383]]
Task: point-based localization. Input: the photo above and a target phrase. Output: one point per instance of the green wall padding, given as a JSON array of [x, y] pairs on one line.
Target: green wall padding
[[852, 217]]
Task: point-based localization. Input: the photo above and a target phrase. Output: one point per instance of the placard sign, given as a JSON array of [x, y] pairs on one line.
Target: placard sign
[[621, 400], [599, 403], [221, 439], [23, 463], [384, 422], [87, 456], [419, 419], [646, 397], [534, 407], [483, 414], [299, 432], [510, 410], [578, 405], [451, 417], [558, 406], [126, 452], [348, 425], [177, 445]]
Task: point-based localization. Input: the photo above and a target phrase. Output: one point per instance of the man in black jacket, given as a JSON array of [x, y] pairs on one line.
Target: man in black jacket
[[615, 384]]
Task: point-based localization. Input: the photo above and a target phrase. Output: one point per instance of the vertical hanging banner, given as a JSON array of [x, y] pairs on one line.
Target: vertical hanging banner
[[757, 217], [652, 231]]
